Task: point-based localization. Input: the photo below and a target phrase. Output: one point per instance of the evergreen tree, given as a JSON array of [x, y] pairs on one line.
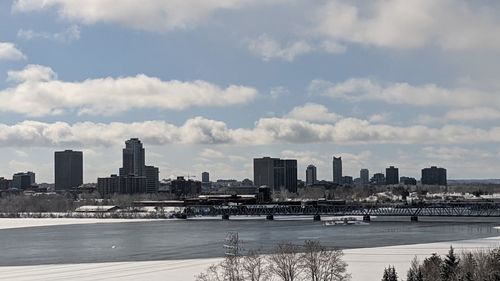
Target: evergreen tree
[[415, 271], [431, 268], [390, 274], [449, 268]]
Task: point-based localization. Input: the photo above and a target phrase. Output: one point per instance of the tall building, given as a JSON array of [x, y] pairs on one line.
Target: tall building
[[205, 177], [68, 169], [109, 185], [337, 170], [311, 176], [275, 173], [434, 176], [133, 158], [378, 179], [152, 179], [364, 175], [23, 180], [392, 175]]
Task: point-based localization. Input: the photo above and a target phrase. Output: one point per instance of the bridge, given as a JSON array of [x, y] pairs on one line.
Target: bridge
[[355, 209]]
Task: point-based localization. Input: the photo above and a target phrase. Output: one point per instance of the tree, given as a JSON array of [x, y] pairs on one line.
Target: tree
[[253, 267], [320, 264], [431, 268], [467, 267], [390, 274], [415, 271], [285, 261], [449, 266]]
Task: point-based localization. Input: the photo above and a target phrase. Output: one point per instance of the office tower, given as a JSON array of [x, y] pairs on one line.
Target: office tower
[[152, 179], [337, 170], [392, 175], [378, 179], [275, 173], [311, 177], [364, 175], [109, 185], [133, 158], [205, 177], [68, 169], [434, 176], [23, 180]]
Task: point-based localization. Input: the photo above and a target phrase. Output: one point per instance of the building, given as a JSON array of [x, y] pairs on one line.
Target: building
[[152, 179], [68, 169], [434, 176], [109, 185], [183, 188], [311, 176], [133, 158], [364, 176], [205, 177], [133, 184], [378, 179], [23, 180], [408, 181], [5, 183], [347, 180], [275, 173], [391, 175], [337, 170]]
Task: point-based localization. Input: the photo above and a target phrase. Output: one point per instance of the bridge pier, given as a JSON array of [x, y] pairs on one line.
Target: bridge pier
[[269, 217], [414, 219], [366, 218], [317, 218], [225, 217]]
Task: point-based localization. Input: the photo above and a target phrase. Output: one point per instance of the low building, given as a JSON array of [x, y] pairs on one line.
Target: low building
[[378, 179], [96, 209], [182, 187]]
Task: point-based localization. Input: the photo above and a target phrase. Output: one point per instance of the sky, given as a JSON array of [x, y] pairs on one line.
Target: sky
[[208, 85]]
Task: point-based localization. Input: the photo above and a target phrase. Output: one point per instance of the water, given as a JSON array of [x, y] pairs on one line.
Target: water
[[160, 240]]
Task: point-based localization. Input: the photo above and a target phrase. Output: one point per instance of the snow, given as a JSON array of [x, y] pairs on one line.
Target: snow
[[7, 223], [364, 264]]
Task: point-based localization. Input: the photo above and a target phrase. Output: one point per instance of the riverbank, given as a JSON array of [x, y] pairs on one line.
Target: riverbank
[[365, 264], [10, 223]]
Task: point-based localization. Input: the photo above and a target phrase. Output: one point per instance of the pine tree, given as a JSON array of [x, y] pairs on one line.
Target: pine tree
[[415, 271], [450, 265], [390, 274]]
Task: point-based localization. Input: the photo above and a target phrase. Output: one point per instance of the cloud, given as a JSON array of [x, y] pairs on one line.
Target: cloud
[[474, 114], [268, 48], [278, 92], [8, 51], [69, 34], [402, 24], [41, 94], [455, 153], [209, 155], [199, 130], [313, 112], [364, 89], [152, 15]]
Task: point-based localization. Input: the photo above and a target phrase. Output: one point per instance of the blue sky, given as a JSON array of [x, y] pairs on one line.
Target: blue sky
[[208, 85]]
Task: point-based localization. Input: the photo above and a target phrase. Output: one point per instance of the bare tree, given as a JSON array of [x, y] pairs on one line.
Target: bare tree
[[285, 262], [320, 264], [213, 273], [254, 267]]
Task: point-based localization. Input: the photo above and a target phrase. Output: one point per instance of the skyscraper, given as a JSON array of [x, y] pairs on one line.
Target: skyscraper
[[68, 169], [392, 175], [133, 158], [311, 177], [152, 179], [337, 170], [275, 173], [205, 177], [364, 175], [434, 176]]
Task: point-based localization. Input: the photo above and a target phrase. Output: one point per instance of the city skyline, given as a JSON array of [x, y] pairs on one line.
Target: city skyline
[[212, 88]]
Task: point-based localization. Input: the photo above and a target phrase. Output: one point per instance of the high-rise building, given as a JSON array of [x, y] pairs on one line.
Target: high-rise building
[[5, 183], [378, 179], [434, 176], [152, 179], [205, 177], [133, 158], [311, 176], [68, 169], [392, 175], [23, 180], [337, 170], [364, 176], [275, 173]]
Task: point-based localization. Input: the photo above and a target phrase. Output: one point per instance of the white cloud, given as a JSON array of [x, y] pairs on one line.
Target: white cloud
[[209, 154], [403, 24], [69, 34], [8, 51], [363, 89], [155, 15], [200, 130], [455, 153], [313, 112], [473, 114], [268, 48], [40, 93], [278, 92]]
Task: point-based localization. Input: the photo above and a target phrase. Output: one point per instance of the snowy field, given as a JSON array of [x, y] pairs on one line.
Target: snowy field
[[6, 223], [364, 264]]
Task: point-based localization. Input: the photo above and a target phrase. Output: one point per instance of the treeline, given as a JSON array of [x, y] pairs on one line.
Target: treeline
[[287, 262], [480, 265]]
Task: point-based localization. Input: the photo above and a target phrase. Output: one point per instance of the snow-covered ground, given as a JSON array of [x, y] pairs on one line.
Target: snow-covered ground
[[365, 264], [6, 223]]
